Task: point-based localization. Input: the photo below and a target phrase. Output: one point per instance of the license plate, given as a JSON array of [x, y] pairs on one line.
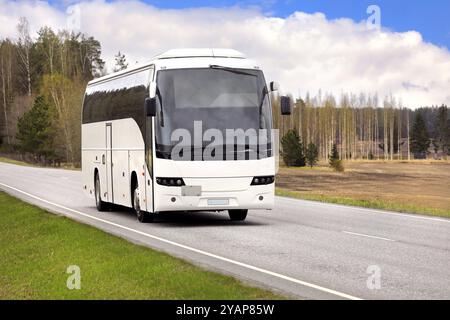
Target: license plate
[[191, 191], [218, 202]]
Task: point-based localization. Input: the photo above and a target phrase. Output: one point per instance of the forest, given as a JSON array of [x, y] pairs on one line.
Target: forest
[[43, 78], [362, 127]]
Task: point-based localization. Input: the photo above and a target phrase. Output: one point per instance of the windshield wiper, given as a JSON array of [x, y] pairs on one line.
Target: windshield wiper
[[215, 66], [264, 93]]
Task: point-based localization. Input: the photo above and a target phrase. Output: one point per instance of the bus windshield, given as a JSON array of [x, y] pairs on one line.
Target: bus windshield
[[217, 98]]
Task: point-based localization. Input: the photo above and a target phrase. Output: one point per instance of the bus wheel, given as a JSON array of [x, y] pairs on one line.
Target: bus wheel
[[99, 203], [237, 215], [142, 216]]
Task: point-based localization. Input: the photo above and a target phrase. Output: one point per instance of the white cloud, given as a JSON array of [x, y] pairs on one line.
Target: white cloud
[[304, 52]]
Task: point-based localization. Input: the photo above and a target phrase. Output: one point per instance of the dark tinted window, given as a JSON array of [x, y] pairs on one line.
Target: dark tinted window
[[119, 98]]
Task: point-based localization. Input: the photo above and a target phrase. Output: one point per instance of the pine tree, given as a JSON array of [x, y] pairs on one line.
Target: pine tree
[[334, 160], [121, 62], [35, 133], [312, 154], [442, 138], [292, 152], [334, 155], [420, 140]]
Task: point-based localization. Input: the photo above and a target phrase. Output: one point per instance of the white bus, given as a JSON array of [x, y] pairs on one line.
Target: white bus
[[156, 137]]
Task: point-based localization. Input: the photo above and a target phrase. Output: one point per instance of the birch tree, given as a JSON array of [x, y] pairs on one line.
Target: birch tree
[[24, 48], [4, 93]]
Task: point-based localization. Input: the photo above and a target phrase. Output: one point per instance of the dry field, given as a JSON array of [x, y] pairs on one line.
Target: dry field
[[415, 186]]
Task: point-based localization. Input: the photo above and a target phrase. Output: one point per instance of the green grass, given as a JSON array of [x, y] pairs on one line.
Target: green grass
[[29, 164], [373, 204], [36, 248], [17, 162]]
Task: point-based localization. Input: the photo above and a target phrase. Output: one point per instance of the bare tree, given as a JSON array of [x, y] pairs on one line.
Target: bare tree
[[407, 132], [358, 124], [57, 87], [4, 96], [24, 47], [399, 131], [391, 127], [7, 50]]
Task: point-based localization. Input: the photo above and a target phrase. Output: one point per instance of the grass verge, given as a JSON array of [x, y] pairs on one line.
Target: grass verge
[[17, 162], [373, 204], [37, 247], [29, 164]]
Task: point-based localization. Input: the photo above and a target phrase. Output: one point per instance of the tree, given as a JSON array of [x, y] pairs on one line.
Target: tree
[[24, 48], [408, 135], [65, 96], [292, 152], [35, 131], [121, 62], [90, 52], [4, 91], [312, 154], [395, 148], [420, 141], [334, 159], [334, 155], [47, 46], [442, 138]]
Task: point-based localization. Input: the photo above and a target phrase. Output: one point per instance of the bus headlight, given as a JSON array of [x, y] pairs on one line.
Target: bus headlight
[[257, 181], [170, 182]]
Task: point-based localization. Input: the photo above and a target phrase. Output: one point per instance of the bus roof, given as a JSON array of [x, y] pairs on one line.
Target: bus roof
[[177, 54], [201, 52]]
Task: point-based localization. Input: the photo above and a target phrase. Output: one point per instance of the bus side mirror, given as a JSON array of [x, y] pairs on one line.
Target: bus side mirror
[[150, 107], [285, 103], [274, 86]]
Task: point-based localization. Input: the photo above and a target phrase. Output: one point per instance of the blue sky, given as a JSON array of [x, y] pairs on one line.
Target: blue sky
[[431, 18]]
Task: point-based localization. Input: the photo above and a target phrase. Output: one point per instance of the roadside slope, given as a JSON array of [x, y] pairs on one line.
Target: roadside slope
[[37, 248]]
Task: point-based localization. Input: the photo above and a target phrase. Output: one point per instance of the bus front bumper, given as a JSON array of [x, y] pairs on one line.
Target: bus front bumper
[[253, 197]]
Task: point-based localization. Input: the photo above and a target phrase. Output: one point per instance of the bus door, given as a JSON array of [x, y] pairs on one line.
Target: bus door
[[109, 164], [149, 161]]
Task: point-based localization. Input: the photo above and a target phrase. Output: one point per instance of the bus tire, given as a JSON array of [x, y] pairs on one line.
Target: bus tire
[[142, 215], [237, 215], [99, 203]]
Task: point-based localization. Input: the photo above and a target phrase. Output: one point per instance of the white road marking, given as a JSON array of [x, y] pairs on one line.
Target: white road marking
[[365, 210], [241, 264], [367, 236]]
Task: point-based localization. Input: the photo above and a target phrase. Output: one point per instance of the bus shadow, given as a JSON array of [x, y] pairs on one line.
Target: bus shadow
[[201, 219], [190, 219]]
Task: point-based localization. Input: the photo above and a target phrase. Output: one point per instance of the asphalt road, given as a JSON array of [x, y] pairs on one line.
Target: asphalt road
[[303, 249]]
